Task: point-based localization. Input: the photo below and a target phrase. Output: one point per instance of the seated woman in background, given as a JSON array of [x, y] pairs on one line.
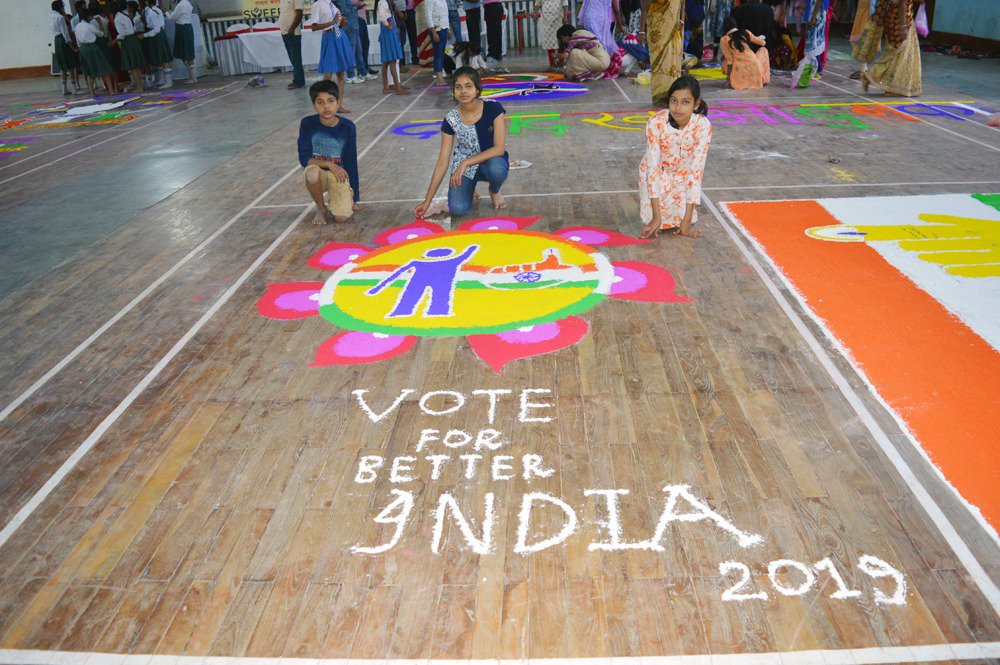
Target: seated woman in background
[[783, 54], [585, 56], [744, 68]]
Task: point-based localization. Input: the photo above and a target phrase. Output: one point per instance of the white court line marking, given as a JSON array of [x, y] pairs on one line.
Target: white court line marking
[[116, 136], [621, 90], [82, 346], [914, 115], [973, 108], [927, 653], [109, 420], [980, 111], [744, 241], [704, 189], [101, 131], [139, 388]]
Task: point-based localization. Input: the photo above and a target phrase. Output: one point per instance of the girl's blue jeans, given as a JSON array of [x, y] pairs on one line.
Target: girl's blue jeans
[[493, 171]]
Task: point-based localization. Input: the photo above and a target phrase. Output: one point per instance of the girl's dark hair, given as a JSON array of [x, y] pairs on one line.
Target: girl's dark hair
[[133, 5], [630, 6], [565, 31], [688, 82], [83, 14], [57, 6], [740, 38], [473, 76]]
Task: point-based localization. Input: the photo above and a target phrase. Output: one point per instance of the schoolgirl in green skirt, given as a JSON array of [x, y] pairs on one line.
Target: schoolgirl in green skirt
[[133, 59], [182, 15], [62, 42], [155, 41], [104, 40], [94, 65], [184, 42]]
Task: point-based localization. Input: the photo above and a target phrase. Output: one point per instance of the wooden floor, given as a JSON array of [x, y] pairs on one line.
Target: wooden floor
[[175, 479]]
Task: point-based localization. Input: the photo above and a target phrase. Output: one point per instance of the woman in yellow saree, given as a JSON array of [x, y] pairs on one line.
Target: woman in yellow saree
[[663, 27]]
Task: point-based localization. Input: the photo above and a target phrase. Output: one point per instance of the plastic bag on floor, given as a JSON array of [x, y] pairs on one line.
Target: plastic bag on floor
[[804, 72]]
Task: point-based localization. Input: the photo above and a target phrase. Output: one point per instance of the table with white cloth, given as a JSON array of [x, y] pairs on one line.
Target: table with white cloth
[[200, 54], [229, 56], [265, 49]]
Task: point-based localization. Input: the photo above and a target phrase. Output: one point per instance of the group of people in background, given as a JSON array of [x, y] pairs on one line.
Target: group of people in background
[[345, 43], [103, 40], [667, 37]]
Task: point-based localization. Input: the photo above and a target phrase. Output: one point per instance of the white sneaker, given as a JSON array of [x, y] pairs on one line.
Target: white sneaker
[[372, 76]]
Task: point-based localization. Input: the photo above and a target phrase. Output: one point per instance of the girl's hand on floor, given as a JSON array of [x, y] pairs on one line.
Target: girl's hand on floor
[[421, 209]]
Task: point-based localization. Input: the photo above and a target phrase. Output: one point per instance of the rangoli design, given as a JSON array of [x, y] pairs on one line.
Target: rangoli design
[[513, 293]]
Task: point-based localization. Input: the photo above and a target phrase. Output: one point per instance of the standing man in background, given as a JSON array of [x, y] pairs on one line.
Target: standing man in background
[[364, 43], [411, 32], [473, 10], [290, 23], [493, 15], [359, 71]]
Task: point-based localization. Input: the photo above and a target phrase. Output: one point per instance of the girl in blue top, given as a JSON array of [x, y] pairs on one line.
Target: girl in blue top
[[473, 147]]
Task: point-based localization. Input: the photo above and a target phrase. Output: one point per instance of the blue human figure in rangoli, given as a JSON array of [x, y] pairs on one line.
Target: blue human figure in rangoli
[[436, 272]]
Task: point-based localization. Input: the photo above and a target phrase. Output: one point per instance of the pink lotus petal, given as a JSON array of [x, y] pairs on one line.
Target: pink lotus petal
[[498, 350], [335, 254], [418, 228], [498, 223], [590, 235], [353, 347], [636, 280], [291, 300]]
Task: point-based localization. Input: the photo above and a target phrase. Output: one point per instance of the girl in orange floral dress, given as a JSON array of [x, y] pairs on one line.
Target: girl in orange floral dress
[[677, 142]]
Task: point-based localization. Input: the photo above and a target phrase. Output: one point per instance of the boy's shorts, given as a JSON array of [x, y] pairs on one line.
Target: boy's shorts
[[340, 195]]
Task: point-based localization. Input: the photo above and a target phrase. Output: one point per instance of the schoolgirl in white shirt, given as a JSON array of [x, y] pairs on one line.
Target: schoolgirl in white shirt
[[157, 48], [132, 58], [184, 36], [62, 41], [95, 65]]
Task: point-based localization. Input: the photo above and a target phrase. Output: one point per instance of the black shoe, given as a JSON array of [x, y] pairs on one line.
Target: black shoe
[[295, 86]]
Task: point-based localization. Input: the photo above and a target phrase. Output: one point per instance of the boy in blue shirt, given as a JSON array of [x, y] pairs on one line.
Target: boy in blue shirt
[[328, 149]]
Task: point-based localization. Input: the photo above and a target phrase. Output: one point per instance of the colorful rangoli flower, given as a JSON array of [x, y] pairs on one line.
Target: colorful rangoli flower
[[513, 293]]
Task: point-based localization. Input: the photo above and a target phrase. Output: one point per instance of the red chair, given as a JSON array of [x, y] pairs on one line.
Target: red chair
[[520, 30]]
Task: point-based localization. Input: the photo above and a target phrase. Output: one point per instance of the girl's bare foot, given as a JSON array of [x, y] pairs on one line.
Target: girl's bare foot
[[358, 207], [386, 91], [499, 203], [402, 91], [687, 232]]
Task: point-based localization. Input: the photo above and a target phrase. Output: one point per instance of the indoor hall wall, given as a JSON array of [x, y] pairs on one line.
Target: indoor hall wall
[[24, 34], [974, 18]]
